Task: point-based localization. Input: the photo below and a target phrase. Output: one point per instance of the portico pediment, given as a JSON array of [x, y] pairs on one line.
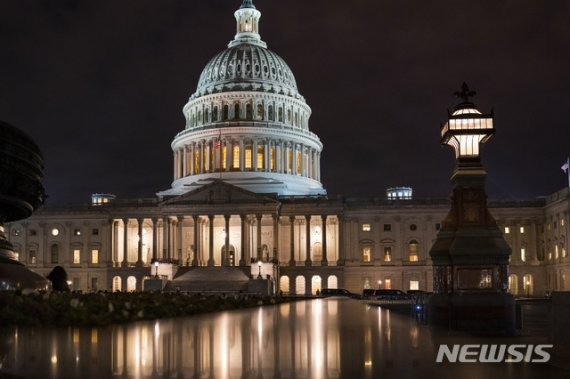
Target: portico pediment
[[220, 192]]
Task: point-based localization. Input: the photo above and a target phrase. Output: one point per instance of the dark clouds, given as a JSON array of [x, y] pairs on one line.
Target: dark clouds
[[100, 85]]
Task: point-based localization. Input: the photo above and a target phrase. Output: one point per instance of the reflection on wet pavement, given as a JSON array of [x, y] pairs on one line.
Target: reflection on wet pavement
[[307, 339]]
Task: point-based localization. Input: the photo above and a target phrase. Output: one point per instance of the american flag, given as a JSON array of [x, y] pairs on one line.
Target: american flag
[[218, 141], [566, 165]]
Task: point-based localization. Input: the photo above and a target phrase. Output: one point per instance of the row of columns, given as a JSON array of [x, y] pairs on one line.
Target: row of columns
[[168, 223], [206, 156]]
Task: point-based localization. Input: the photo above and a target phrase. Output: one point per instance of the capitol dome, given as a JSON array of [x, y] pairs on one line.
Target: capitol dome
[[247, 67], [247, 124]]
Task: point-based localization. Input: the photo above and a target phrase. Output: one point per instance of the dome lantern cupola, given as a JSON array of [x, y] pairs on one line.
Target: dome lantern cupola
[[247, 18]]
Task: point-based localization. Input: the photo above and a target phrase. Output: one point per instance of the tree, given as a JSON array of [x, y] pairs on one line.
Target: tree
[[58, 278]]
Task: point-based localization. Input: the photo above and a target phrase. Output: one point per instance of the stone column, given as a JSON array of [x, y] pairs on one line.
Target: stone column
[[184, 167], [292, 243], [179, 238], [125, 242], [165, 238], [196, 241], [303, 168], [294, 159], [242, 249], [140, 244], [308, 241], [319, 167], [276, 237], [241, 155], [259, 217], [324, 261], [341, 253], [254, 154], [226, 259], [201, 152], [266, 158], [175, 158], [211, 250], [191, 160], [154, 238]]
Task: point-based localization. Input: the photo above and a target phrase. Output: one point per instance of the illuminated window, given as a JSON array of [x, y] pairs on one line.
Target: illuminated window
[[260, 157], [555, 251], [224, 157], [562, 222], [548, 226], [507, 230], [76, 256], [388, 254], [563, 249], [95, 256], [248, 157], [413, 250], [521, 229], [387, 227], [207, 158], [414, 285], [298, 163], [272, 158], [388, 284], [290, 164], [523, 254], [366, 227], [366, 254], [235, 157]]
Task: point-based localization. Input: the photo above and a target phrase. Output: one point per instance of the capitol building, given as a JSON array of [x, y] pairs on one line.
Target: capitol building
[[247, 201]]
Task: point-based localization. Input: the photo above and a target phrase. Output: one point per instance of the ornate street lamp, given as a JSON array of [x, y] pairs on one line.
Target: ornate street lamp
[[259, 263], [156, 269], [470, 256]]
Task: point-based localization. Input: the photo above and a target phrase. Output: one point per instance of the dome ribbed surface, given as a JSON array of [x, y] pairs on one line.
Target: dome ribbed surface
[[247, 67]]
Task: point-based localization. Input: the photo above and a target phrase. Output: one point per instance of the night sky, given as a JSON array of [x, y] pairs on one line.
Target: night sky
[[100, 86]]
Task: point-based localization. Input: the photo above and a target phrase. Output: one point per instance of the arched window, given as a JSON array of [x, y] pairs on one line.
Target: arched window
[[513, 284], [248, 158], [289, 116], [131, 284], [226, 113], [300, 285], [199, 121], [332, 282], [236, 111], [284, 284], [315, 284], [280, 114], [207, 116], [248, 114], [413, 248], [193, 120], [260, 157], [117, 284], [235, 157], [528, 284], [54, 253], [260, 112], [270, 113], [296, 119], [215, 114]]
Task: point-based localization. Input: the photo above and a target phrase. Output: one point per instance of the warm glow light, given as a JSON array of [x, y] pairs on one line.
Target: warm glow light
[[55, 232], [54, 359]]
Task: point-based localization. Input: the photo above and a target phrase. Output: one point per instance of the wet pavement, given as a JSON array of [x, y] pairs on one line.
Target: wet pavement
[[306, 339]]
